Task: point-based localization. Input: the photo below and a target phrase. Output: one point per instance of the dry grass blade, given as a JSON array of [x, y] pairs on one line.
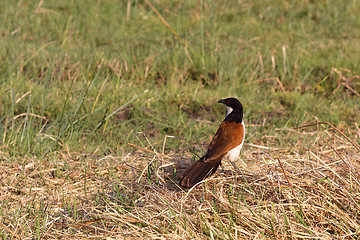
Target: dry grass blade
[[351, 89], [11, 232], [29, 114], [287, 179], [161, 18]]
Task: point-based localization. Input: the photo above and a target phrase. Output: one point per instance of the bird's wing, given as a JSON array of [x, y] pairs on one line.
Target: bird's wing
[[228, 136]]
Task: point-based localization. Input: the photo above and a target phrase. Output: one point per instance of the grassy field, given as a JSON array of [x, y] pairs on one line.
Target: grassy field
[[104, 103]]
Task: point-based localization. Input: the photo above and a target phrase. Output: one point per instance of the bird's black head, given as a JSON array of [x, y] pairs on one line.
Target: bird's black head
[[232, 106], [232, 103]]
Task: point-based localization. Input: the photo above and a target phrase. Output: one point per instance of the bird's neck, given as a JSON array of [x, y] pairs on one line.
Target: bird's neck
[[233, 115], [228, 110]]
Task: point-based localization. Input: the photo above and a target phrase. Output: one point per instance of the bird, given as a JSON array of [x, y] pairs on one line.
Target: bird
[[226, 144]]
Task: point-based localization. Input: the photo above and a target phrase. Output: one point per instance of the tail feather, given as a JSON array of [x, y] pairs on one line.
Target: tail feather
[[197, 172]]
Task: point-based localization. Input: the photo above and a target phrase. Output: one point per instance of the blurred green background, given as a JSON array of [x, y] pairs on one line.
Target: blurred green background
[[74, 73]]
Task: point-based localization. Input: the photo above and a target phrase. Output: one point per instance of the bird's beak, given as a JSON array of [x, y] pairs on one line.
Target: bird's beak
[[221, 101]]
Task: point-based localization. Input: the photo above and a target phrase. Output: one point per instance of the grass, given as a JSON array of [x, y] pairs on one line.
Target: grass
[[103, 105]]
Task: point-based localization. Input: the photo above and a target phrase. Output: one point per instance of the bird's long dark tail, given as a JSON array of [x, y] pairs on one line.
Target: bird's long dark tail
[[197, 172]]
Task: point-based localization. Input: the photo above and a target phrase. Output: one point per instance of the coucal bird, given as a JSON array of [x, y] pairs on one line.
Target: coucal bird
[[226, 144]]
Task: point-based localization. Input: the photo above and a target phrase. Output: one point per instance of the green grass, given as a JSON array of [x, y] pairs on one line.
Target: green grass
[[82, 60], [84, 78]]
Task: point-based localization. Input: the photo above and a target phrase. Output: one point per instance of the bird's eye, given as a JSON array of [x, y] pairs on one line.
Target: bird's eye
[[227, 101]]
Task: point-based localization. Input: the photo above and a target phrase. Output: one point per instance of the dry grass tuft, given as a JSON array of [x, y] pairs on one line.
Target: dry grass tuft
[[311, 191]]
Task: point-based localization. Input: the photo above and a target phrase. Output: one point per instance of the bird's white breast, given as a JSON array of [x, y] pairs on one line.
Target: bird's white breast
[[234, 153]]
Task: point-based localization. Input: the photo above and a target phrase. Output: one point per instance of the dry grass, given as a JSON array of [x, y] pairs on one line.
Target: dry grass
[[311, 191]]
